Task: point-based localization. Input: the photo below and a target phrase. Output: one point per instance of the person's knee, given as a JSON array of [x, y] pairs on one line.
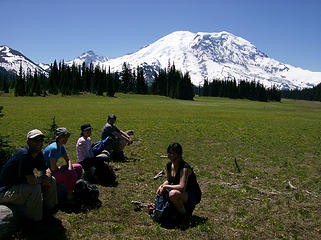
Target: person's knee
[[34, 189], [174, 195]]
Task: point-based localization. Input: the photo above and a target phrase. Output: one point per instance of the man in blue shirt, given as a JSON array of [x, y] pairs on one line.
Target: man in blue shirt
[[20, 189]]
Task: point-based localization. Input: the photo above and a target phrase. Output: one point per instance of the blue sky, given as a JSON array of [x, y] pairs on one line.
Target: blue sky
[[286, 30]]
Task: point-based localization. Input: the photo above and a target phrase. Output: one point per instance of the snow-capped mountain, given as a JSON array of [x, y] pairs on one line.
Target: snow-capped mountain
[[212, 55], [11, 59], [88, 57], [44, 66]]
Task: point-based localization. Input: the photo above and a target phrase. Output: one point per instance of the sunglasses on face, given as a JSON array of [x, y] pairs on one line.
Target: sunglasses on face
[[37, 140]]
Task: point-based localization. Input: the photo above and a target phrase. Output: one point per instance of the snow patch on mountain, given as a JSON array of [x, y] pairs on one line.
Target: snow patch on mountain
[[87, 58], [11, 60]]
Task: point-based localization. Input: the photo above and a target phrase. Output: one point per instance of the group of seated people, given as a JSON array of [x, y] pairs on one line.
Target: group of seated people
[[34, 196]]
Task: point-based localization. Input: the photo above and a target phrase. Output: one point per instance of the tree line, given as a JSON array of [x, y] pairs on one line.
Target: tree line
[[169, 82], [173, 83], [69, 80], [311, 94], [243, 89]]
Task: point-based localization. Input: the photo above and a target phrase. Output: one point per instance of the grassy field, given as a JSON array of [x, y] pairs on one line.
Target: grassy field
[[277, 146]]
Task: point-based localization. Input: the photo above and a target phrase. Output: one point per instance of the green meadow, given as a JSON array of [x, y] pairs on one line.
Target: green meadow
[[277, 146]]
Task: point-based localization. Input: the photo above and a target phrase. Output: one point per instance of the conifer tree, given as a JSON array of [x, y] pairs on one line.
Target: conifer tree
[[5, 86], [36, 86], [188, 92], [110, 84], [205, 88], [126, 78], [53, 79], [91, 77], [20, 83], [75, 76], [117, 82], [141, 86], [29, 83]]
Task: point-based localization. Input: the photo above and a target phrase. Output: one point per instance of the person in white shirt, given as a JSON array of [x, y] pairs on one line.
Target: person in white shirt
[[85, 155]]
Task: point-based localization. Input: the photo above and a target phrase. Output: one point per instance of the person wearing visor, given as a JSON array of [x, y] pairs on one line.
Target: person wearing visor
[[85, 155], [29, 196], [67, 174]]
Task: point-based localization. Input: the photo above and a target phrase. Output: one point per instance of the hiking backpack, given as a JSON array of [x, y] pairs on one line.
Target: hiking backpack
[[86, 193], [99, 146], [165, 212]]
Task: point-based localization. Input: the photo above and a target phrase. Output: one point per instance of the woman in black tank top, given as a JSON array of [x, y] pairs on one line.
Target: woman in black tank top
[[181, 185]]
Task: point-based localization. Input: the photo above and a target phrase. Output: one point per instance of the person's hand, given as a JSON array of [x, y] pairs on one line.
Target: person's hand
[[48, 173], [160, 190], [45, 183]]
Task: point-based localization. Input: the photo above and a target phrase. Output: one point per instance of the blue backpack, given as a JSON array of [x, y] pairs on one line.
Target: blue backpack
[[99, 146]]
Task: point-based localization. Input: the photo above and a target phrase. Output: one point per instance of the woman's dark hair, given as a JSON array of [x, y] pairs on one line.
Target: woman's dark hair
[[84, 127], [176, 147], [111, 116]]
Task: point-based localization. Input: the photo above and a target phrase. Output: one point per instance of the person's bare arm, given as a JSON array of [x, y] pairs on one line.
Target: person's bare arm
[[185, 172]]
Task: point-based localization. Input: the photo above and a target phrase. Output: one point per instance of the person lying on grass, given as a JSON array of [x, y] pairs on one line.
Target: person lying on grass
[[67, 174], [181, 185]]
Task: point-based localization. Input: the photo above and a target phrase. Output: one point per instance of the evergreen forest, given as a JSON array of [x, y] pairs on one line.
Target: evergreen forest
[[70, 80]]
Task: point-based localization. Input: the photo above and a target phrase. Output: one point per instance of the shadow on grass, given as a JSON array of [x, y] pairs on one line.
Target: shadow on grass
[[126, 159], [50, 228], [196, 220], [76, 207], [193, 222]]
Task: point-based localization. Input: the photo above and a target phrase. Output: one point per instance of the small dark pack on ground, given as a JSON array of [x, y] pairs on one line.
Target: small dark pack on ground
[[86, 193]]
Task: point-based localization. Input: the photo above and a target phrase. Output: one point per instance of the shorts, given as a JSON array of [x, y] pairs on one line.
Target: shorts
[[191, 202]]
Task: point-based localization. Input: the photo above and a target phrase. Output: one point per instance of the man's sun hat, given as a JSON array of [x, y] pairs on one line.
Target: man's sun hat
[[34, 133]]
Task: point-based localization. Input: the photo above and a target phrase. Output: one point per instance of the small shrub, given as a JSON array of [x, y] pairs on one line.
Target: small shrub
[[5, 149]]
